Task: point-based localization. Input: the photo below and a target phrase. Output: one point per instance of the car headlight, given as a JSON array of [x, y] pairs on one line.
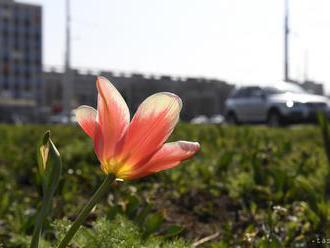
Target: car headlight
[[289, 104], [293, 104]]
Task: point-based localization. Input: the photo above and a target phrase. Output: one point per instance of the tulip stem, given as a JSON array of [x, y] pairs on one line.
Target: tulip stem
[[102, 190]]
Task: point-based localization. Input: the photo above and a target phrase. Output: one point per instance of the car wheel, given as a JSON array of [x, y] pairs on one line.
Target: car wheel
[[274, 119], [231, 118]]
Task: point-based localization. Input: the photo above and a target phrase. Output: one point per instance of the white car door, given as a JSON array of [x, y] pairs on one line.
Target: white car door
[[255, 105]]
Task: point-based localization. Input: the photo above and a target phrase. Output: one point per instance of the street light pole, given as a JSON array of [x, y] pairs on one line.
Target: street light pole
[[67, 84], [68, 34], [286, 41]]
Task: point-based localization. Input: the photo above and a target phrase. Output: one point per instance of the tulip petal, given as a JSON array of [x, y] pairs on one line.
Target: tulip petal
[[152, 124], [99, 143], [86, 117], [112, 116], [169, 156]]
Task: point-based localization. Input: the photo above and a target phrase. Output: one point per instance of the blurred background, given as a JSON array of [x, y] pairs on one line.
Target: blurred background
[[51, 52], [231, 61]]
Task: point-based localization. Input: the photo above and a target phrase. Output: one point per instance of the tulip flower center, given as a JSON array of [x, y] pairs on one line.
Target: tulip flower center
[[119, 169]]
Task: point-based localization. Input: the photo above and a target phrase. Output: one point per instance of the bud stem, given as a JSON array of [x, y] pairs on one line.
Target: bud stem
[[45, 208]]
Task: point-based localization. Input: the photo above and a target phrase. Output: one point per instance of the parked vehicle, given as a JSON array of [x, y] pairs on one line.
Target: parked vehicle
[[276, 105], [201, 119], [217, 119], [62, 119]]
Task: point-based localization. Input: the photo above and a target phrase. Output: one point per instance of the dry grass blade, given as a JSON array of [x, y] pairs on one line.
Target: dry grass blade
[[206, 239]]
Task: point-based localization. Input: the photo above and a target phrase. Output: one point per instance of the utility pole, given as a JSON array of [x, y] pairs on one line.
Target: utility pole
[[68, 35], [286, 41], [67, 83], [306, 64]]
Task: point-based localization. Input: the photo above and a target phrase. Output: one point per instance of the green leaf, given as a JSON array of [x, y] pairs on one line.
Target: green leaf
[[173, 230], [323, 122], [152, 223], [141, 216], [132, 206]]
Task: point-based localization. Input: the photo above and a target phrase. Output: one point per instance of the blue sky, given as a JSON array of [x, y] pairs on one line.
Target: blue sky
[[235, 40]]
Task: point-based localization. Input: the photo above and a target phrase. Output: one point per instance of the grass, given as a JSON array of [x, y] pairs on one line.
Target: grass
[[252, 186]]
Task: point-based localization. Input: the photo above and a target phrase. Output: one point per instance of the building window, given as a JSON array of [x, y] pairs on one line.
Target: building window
[[5, 22], [16, 89], [27, 87], [16, 22], [5, 34], [38, 61], [5, 70], [27, 23], [36, 19], [27, 76], [37, 37], [27, 37], [5, 84], [17, 72], [5, 59]]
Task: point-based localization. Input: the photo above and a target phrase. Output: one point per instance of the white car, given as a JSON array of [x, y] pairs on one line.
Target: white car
[[201, 119], [62, 119], [276, 105]]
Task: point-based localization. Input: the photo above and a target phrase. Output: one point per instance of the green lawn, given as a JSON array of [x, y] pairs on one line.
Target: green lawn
[[248, 186]]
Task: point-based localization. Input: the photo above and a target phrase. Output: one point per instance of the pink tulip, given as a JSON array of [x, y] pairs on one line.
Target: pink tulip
[[135, 149]]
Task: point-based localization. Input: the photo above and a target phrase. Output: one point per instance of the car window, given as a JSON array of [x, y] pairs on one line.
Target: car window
[[242, 92], [247, 92], [255, 92], [272, 90]]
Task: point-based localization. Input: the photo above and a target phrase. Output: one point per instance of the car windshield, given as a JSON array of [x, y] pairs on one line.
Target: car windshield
[[283, 88]]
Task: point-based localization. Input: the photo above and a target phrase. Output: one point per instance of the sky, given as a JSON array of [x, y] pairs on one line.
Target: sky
[[235, 40]]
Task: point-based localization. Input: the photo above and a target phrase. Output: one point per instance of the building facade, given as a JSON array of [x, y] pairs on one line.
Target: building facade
[[20, 53], [200, 96], [313, 87]]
